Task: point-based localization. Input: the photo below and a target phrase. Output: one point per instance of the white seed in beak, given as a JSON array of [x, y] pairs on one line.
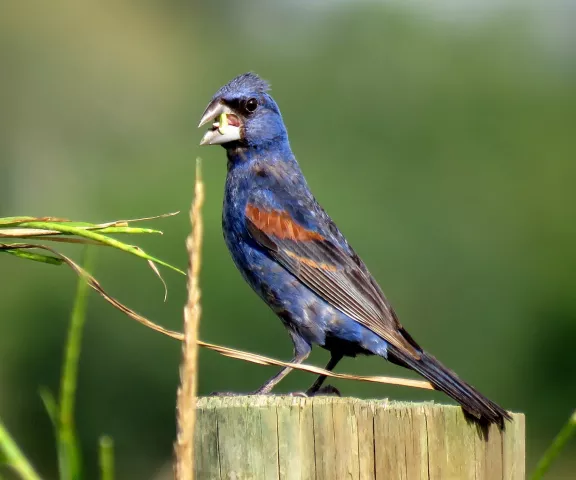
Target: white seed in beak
[[222, 131]]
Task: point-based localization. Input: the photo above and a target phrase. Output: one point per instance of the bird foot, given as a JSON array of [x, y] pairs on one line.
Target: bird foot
[[326, 391], [239, 394]]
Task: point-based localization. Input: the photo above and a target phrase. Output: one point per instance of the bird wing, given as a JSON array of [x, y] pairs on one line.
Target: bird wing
[[299, 235]]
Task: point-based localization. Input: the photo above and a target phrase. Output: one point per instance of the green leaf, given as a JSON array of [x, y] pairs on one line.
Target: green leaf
[[106, 458], [13, 456], [68, 448], [131, 230], [561, 440], [99, 238], [50, 405], [37, 257], [15, 220], [66, 444], [19, 220]]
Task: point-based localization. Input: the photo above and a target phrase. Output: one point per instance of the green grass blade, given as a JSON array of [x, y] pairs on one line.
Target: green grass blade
[[15, 220], [23, 232], [557, 446], [130, 230], [68, 449], [14, 457], [49, 401], [37, 257], [106, 458], [82, 232]]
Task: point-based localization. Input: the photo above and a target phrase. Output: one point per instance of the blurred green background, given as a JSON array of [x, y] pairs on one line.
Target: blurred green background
[[442, 139]]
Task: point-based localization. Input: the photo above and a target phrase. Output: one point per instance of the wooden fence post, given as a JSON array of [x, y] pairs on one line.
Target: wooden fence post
[[328, 438]]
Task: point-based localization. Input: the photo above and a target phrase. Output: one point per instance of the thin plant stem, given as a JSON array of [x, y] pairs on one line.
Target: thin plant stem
[[14, 457], [106, 458], [568, 430], [68, 449], [186, 402], [80, 232]]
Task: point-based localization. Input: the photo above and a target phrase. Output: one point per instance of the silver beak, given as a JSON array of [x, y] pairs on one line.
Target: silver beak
[[221, 131]]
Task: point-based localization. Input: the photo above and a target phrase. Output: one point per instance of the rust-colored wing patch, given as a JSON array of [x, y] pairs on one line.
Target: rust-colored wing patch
[[279, 224]]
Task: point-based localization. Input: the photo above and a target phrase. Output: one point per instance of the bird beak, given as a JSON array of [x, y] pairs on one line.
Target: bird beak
[[226, 126]]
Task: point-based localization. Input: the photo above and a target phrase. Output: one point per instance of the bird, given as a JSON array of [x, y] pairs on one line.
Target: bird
[[293, 255]]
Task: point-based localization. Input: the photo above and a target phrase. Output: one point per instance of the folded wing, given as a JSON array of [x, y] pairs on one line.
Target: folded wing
[[301, 238]]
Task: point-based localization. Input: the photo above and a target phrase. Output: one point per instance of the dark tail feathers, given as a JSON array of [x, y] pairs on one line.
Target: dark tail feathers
[[445, 380]]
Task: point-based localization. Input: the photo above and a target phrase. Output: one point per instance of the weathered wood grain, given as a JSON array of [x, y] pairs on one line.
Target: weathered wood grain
[[327, 438]]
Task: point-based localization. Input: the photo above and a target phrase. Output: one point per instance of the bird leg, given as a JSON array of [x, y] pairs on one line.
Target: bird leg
[[334, 359], [301, 351]]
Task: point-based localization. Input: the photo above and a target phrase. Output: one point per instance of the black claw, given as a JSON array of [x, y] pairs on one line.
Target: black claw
[[328, 390]]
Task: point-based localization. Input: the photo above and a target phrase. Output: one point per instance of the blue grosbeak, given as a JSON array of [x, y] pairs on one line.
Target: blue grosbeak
[[296, 259]]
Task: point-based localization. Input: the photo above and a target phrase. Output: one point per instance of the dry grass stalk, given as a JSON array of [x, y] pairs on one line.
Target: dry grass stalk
[[186, 402], [226, 351]]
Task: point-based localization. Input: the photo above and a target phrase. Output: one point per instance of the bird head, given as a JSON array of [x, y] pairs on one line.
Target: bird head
[[243, 113]]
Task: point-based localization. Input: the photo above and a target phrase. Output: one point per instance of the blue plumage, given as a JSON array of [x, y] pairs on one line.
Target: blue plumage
[[296, 259], [311, 318]]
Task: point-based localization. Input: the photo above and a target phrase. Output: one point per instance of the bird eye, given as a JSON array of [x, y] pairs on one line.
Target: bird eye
[[251, 105]]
